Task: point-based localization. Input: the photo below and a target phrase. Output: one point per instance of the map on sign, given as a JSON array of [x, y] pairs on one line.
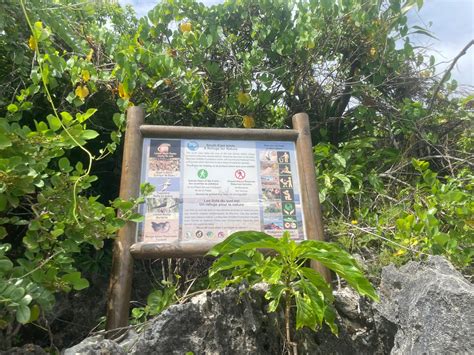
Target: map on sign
[[207, 189]]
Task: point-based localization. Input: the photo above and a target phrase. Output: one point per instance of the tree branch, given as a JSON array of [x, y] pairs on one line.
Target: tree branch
[[448, 71]]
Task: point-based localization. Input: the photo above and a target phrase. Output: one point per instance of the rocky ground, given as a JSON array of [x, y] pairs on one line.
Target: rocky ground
[[425, 308]]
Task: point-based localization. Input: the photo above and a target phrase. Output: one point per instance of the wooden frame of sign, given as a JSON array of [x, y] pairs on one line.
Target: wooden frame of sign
[[271, 165]]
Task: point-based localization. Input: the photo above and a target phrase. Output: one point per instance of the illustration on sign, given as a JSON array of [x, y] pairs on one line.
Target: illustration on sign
[[207, 189]]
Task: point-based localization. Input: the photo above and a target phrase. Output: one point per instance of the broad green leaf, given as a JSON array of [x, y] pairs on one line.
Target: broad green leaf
[[5, 265], [54, 122], [75, 279], [441, 238], [330, 319], [67, 118], [136, 217], [4, 141], [23, 314], [89, 134], [454, 196], [85, 116], [64, 164], [316, 297], [346, 182], [340, 159], [305, 316], [17, 293], [271, 271], [12, 108], [57, 232], [227, 262], [244, 241], [26, 300], [274, 294], [3, 202], [318, 281], [338, 260]]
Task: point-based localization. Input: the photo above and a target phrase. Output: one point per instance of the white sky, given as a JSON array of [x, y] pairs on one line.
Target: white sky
[[452, 23]]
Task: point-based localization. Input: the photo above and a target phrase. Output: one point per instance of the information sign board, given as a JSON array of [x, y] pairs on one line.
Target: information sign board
[[207, 189], [210, 182]]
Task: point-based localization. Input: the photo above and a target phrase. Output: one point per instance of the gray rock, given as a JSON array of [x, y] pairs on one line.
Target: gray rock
[[432, 306], [228, 322], [95, 345], [232, 322], [213, 323], [425, 308]]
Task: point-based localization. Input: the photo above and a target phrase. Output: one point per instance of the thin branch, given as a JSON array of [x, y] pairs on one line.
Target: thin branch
[[42, 264], [386, 239], [448, 71]]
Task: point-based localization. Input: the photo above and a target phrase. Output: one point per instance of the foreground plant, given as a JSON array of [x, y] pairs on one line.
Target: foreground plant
[[285, 271]]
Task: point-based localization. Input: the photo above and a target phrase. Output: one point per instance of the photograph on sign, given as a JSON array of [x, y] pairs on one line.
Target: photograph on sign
[[206, 190]]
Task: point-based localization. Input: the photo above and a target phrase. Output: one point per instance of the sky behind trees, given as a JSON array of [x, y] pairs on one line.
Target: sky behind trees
[[452, 22]]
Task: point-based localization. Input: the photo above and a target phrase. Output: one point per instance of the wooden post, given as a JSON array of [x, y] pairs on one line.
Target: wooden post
[[122, 264], [309, 187]]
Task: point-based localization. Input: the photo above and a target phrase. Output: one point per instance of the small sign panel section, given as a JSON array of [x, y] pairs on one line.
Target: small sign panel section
[[207, 189]]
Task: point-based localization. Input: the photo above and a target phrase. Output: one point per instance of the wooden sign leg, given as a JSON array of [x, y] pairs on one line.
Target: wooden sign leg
[[120, 285], [309, 187]]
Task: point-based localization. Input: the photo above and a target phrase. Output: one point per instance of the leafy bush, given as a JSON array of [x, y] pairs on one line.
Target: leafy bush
[[157, 301], [290, 281], [48, 212]]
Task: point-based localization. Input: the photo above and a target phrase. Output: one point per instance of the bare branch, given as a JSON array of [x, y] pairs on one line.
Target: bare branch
[[448, 71]]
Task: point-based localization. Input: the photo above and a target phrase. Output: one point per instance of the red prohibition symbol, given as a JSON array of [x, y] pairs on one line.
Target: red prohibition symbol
[[240, 174]]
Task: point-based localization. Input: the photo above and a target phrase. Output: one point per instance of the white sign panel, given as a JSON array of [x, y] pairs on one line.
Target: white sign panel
[[207, 189]]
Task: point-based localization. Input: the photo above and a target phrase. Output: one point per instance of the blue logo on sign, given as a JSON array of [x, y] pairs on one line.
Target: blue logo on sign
[[193, 145]]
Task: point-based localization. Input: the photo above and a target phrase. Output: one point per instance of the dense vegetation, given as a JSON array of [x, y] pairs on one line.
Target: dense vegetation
[[392, 138]]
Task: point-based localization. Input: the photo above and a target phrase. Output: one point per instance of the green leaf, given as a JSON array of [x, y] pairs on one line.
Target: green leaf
[[245, 240], [274, 294], [318, 281], [89, 134], [330, 319], [4, 141], [3, 232], [26, 300], [346, 182], [5, 265], [85, 116], [136, 217], [64, 164], [227, 262], [57, 232], [23, 314], [35, 225], [3, 202], [338, 260], [54, 122], [67, 118], [424, 31], [340, 159], [454, 196], [17, 293], [441, 238], [305, 316], [35, 313], [12, 108], [74, 278]]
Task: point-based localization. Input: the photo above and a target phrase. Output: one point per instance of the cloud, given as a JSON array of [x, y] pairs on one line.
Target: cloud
[[141, 7], [451, 22]]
